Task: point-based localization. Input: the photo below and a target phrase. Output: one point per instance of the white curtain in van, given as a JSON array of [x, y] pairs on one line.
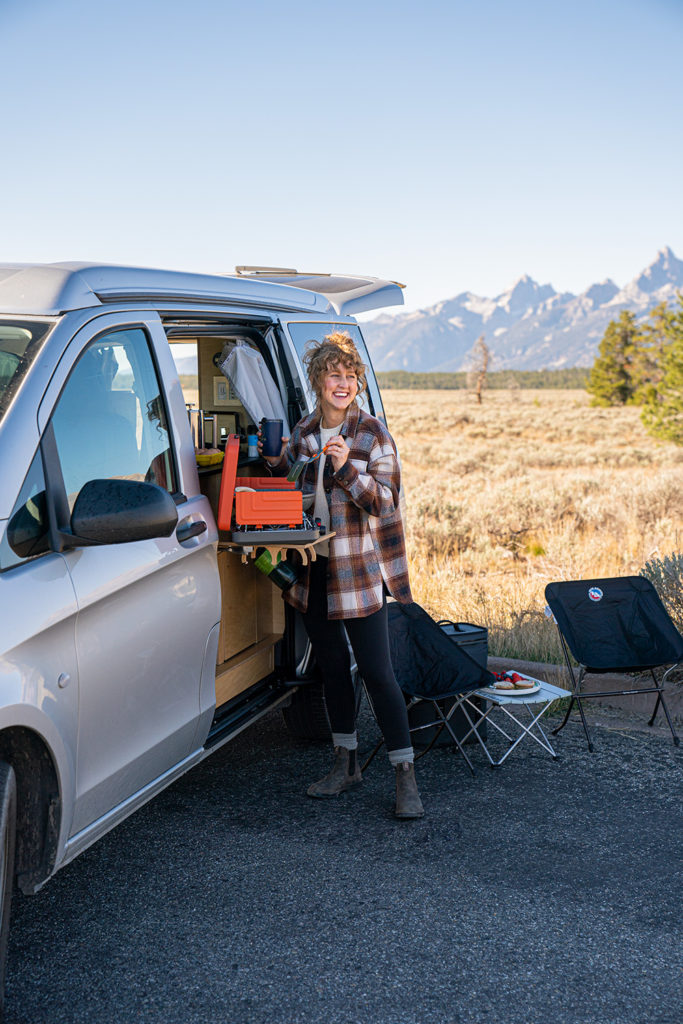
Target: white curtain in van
[[246, 370]]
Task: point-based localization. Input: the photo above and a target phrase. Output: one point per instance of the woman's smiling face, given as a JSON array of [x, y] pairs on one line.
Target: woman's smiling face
[[339, 388]]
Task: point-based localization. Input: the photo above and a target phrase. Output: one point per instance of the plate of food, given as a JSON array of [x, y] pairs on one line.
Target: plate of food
[[512, 684]]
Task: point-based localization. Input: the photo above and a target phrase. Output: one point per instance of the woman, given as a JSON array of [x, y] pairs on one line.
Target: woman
[[356, 487]]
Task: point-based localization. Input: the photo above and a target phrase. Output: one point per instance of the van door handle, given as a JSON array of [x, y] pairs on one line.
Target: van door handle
[[189, 528]]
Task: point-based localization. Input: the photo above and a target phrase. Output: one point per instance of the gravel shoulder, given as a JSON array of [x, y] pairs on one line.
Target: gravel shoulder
[[546, 890]]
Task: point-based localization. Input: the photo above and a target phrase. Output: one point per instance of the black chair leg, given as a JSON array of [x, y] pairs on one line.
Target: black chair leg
[[460, 748], [676, 740], [377, 747], [575, 686], [585, 725], [660, 699], [575, 700], [575, 697], [438, 729], [560, 727]]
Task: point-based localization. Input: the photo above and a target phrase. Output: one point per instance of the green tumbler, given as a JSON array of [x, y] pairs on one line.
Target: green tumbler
[[282, 574]]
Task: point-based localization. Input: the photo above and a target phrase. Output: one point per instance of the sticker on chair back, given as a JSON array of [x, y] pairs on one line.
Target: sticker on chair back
[[595, 594]]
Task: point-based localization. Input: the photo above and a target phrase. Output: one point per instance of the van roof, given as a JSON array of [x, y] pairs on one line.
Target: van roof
[[347, 293], [48, 289]]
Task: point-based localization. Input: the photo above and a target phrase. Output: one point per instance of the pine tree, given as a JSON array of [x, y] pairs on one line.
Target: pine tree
[[663, 411], [611, 381], [651, 346]]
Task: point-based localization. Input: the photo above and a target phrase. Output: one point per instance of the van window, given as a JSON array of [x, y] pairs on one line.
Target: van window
[[110, 421], [26, 534], [20, 340], [302, 333], [205, 387]]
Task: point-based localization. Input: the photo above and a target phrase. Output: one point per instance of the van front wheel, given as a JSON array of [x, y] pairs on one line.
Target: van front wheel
[[8, 827]]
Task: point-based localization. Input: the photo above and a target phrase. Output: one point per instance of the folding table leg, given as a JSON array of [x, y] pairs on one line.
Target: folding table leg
[[527, 731], [489, 721], [481, 717], [537, 722]]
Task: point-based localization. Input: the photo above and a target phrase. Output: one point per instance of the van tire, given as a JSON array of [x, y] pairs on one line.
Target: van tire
[[306, 716], [8, 831]]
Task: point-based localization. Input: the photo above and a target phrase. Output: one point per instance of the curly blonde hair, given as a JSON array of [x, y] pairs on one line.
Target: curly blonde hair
[[336, 349]]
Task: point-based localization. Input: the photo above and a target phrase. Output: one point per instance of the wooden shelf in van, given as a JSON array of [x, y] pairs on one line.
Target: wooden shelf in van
[[245, 669], [276, 549]]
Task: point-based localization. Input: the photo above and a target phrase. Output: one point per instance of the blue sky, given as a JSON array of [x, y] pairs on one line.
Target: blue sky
[[451, 146]]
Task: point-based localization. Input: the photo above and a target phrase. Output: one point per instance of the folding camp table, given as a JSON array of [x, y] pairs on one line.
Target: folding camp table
[[521, 711]]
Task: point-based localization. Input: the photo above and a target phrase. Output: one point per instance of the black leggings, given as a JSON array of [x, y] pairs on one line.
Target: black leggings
[[369, 638]]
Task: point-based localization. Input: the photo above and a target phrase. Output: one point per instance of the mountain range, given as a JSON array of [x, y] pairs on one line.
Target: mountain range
[[528, 327]]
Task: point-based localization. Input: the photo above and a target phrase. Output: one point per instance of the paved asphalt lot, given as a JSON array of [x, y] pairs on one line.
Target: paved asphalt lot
[[544, 892]]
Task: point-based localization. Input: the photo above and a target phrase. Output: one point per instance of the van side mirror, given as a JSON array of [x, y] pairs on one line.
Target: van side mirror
[[120, 511]]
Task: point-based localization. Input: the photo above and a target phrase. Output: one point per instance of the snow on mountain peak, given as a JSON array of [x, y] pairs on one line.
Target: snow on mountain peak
[[530, 326], [524, 293], [664, 270]]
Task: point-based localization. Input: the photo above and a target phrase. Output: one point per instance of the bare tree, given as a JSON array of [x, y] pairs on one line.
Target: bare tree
[[480, 361]]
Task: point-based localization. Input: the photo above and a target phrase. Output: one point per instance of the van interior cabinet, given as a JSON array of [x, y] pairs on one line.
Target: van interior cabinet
[[252, 621], [239, 614]]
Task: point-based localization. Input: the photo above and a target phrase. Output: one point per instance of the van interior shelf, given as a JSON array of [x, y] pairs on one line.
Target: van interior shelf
[[217, 467], [305, 548]]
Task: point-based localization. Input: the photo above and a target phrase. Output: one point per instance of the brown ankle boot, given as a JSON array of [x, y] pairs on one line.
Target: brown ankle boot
[[345, 773], [408, 803]]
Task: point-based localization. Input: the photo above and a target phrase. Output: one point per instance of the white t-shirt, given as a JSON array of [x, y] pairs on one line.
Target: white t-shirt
[[321, 509]]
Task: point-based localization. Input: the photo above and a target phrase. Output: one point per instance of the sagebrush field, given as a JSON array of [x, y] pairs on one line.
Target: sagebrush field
[[528, 487]]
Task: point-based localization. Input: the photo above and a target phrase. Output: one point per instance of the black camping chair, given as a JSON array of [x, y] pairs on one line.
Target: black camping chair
[[430, 668], [615, 625]]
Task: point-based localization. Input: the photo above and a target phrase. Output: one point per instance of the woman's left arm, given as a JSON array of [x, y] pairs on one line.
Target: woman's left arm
[[376, 488]]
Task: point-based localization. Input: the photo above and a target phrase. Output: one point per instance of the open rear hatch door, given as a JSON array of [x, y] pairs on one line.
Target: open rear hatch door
[[347, 294]]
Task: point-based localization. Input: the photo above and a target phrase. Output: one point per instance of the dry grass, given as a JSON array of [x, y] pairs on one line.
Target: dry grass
[[529, 487]]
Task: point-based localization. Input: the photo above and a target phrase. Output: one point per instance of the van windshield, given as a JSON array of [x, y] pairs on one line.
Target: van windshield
[[20, 341]]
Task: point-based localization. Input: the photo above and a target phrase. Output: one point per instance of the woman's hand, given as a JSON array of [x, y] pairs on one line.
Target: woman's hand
[[338, 451], [272, 460]]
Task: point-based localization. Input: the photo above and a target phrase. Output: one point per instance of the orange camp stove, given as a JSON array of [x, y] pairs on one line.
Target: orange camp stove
[[267, 509]]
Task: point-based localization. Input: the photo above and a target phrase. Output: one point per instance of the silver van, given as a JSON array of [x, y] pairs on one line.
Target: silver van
[[133, 642]]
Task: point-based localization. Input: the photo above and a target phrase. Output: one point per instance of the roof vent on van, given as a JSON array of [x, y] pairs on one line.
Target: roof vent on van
[[255, 271], [347, 293]]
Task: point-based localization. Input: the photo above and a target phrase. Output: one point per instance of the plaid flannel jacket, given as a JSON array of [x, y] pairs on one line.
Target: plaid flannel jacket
[[369, 549]]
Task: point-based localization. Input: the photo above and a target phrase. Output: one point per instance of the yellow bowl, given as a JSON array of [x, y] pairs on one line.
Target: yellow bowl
[[209, 458]]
